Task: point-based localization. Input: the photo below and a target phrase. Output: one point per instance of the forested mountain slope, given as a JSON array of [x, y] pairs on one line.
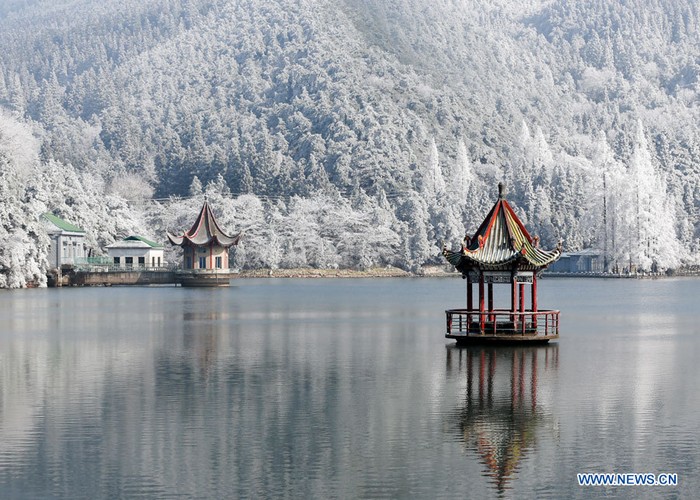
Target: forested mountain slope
[[364, 132]]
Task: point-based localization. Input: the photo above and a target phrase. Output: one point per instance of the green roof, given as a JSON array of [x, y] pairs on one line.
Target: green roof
[[61, 224], [147, 242]]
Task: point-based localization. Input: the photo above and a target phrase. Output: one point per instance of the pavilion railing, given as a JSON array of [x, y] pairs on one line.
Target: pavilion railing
[[464, 322]]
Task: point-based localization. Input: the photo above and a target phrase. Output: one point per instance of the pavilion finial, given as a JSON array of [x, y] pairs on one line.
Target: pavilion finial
[[501, 190]]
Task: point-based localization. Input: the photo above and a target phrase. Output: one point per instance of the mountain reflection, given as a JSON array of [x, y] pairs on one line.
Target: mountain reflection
[[501, 416]]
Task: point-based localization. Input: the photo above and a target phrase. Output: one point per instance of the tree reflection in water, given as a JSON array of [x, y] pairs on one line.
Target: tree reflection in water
[[500, 417]]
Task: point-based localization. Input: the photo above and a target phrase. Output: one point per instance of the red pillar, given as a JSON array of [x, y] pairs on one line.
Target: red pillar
[[470, 300], [522, 306], [513, 299], [533, 293], [490, 291], [481, 302]]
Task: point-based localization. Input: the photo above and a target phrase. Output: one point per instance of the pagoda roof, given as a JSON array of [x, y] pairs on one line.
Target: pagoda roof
[[204, 232], [502, 242]]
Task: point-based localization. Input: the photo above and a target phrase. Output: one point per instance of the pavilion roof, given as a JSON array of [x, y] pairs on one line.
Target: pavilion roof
[[501, 242], [205, 231]]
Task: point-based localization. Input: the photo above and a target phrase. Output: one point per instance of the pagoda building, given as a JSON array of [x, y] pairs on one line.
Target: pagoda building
[[502, 252], [205, 246]]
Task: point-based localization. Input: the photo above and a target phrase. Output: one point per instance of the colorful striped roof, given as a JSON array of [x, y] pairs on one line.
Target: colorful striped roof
[[204, 232], [501, 243]]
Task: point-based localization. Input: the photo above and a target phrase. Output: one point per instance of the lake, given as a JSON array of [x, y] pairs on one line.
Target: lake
[[343, 388]]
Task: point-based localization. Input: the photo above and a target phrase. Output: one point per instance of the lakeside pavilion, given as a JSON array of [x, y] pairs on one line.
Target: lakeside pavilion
[[205, 246], [502, 252]]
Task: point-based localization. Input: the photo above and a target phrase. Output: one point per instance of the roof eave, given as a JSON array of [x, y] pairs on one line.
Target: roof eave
[[175, 240]]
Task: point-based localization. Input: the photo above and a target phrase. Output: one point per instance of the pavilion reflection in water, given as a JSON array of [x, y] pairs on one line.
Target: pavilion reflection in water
[[501, 416]]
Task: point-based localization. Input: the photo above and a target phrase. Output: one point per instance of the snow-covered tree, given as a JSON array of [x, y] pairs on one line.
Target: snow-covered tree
[[462, 177], [23, 242], [653, 219], [433, 182]]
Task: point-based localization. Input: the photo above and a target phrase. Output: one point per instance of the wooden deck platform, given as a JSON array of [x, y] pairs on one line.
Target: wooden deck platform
[[502, 326], [502, 339], [204, 278]]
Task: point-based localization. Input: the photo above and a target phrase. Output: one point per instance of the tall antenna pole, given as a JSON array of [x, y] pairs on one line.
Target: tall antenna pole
[[605, 225]]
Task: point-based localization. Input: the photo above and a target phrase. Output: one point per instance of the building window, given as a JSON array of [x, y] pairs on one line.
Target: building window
[[202, 262], [218, 262], [129, 261], [158, 261], [188, 262], [117, 260], [142, 261]]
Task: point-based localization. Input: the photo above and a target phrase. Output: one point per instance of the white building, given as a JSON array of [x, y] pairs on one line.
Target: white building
[[67, 241], [136, 251]]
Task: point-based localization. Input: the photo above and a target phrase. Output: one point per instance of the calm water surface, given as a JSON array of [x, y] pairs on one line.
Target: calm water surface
[[343, 389]]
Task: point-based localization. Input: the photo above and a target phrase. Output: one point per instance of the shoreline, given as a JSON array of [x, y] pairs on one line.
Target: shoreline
[[393, 272], [388, 272], [430, 272]]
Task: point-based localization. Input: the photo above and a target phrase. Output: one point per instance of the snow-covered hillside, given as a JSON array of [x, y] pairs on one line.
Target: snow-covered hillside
[[362, 132]]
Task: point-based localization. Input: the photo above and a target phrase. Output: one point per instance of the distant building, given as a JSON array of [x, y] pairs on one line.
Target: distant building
[[584, 261], [67, 241], [205, 246], [135, 251]]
